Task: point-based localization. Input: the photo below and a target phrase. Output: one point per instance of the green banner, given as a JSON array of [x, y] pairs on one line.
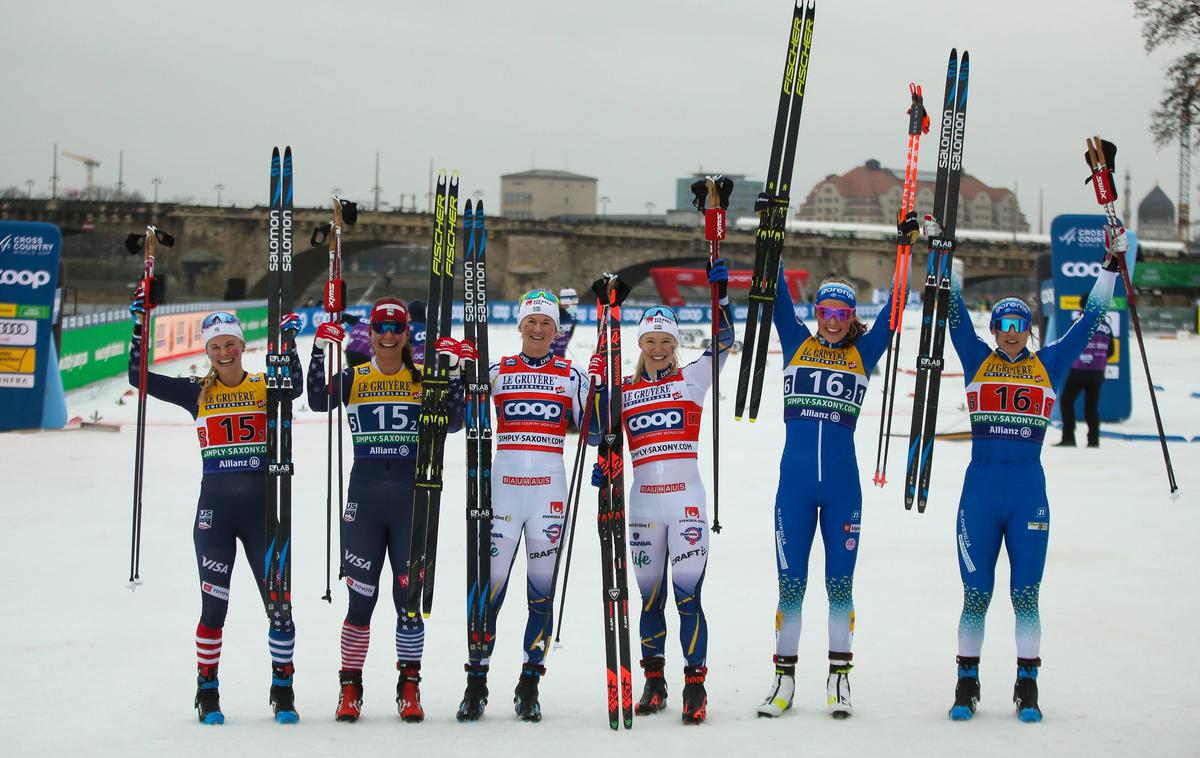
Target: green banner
[[94, 352], [254, 322], [1161, 274]]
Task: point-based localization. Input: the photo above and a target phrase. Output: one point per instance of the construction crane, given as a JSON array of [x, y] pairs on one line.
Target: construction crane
[[89, 163]]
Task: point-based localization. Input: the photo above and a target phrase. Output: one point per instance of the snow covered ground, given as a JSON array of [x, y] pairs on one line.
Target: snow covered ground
[[92, 669]]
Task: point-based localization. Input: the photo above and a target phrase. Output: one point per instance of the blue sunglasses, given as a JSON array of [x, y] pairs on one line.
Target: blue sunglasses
[[536, 294], [220, 317], [389, 327], [1010, 324], [659, 310]]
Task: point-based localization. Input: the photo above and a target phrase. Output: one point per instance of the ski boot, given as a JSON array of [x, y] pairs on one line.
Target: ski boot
[[408, 693], [966, 692], [475, 698], [283, 699], [654, 696], [779, 699], [349, 706], [695, 698], [208, 700], [837, 687], [525, 697], [1025, 691]]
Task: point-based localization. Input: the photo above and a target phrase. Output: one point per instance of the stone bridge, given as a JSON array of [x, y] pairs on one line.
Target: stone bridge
[[216, 245]]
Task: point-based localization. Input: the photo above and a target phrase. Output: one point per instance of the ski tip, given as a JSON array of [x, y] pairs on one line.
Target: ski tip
[[286, 717], [425, 616], [1030, 715], [737, 418], [216, 718]]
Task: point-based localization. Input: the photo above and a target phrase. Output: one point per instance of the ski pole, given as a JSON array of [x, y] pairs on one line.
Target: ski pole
[[1101, 158]]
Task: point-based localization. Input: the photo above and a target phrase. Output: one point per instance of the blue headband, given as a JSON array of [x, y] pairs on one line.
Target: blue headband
[[836, 291], [1011, 306]]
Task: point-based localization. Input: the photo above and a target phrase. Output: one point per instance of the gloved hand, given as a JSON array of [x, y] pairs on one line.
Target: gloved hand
[[1116, 244], [290, 322], [467, 351], [932, 227], [908, 231], [598, 368], [599, 475], [330, 333], [137, 306], [718, 274], [449, 348]]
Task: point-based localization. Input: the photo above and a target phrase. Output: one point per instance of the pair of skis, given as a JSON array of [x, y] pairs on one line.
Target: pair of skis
[[277, 594], [345, 213], [478, 412], [918, 124], [435, 401], [1101, 159], [772, 209], [936, 296], [146, 244], [610, 516]]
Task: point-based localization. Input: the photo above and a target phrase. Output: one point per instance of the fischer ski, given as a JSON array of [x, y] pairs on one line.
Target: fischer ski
[[478, 388], [906, 230], [280, 344], [435, 399], [772, 209], [936, 296], [610, 516]]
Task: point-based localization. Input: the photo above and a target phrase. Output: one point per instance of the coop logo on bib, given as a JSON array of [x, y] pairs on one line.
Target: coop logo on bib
[[532, 410], [655, 421]]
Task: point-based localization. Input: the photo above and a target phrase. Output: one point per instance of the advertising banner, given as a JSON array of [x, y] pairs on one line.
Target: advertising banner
[[29, 253], [1077, 249]]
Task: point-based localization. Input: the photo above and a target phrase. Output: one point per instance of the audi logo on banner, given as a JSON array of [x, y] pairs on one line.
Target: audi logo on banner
[[532, 410], [1080, 269], [655, 421]]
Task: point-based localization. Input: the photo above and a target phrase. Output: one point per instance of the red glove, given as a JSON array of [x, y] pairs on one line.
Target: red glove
[[330, 333], [598, 368], [450, 348], [467, 351]]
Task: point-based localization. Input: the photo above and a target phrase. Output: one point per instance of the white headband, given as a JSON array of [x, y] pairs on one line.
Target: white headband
[[538, 306]]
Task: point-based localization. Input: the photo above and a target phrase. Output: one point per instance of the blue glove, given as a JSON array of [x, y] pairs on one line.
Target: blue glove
[[290, 323], [598, 477], [718, 274], [137, 308]]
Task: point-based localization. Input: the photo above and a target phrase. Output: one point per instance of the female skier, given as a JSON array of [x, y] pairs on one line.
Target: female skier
[[824, 382], [535, 393], [668, 519], [383, 403], [229, 406], [1010, 394]]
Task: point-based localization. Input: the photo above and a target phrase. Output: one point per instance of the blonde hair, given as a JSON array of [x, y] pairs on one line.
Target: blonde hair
[[640, 370], [857, 327]]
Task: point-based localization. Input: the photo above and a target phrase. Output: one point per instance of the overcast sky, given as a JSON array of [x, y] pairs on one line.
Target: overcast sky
[[633, 92]]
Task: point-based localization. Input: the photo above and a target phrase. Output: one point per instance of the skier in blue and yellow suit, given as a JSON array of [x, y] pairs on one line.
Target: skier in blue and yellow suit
[[824, 384], [1010, 395]]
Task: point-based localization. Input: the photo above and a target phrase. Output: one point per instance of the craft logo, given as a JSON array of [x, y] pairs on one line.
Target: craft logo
[[692, 534]]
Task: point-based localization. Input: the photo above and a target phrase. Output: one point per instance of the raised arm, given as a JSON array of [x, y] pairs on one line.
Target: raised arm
[[792, 331]]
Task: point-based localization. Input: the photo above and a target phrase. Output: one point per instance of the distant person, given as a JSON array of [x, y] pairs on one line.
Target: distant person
[[416, 315], [1087, 376], [358, 340], [568, 312]]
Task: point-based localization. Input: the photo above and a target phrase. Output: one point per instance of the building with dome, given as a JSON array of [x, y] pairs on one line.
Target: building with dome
[[1156, 216], [870, 194]]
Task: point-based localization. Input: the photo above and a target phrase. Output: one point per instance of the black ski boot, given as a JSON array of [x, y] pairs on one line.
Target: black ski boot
[[695, 697], [283, 699], [475, 698], [208, 700], [1025, 691], [966, 692], [349, 706], [654, 696], [525, 697]]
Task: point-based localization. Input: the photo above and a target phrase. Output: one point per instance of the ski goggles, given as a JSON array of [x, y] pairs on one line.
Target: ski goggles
[[835, 312], [389, 327], [540, 294], [220, 317], [1010, 324]]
